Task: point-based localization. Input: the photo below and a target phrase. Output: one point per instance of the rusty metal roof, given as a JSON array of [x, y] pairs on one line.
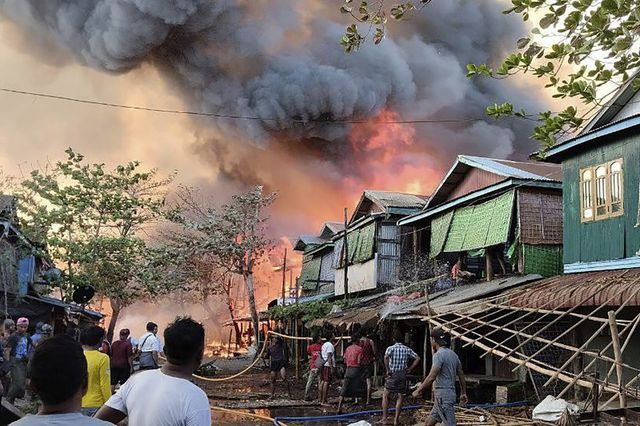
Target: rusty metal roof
[[610, 288]]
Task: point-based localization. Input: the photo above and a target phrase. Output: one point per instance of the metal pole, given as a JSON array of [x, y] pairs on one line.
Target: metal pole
[[346, 258]]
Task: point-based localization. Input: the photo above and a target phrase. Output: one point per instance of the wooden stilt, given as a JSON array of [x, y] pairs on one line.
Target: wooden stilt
[[488, 257]]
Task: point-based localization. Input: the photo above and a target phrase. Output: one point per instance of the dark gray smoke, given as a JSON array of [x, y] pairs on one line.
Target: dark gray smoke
[[280, 60]]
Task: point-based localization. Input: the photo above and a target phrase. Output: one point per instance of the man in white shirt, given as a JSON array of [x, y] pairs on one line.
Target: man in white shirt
[[329, 357], [165, 397], [149, 348]]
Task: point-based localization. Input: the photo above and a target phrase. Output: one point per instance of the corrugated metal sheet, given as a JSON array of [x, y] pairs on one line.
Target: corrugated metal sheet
[[540, 217], [327, 273], [588, 289], [388, 253], [396, 199]]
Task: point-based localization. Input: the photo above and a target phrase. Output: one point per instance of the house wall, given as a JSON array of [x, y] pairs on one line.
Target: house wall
[[612, 238], [474, 179], [327, 273], [388, 252], [631, 108], [362, 276]]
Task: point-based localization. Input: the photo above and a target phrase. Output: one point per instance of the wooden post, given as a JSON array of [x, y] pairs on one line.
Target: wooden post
[[488, 263], [595, 396], [618, 357], [346, 257], [229, 345], [284, 275], [424, 350]]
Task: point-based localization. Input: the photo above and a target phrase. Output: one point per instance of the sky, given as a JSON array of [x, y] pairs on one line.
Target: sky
[[265, 59]]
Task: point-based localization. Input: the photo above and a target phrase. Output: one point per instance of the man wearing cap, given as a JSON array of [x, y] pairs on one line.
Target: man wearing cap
[[17, 351], [444, 369], [121, 359]]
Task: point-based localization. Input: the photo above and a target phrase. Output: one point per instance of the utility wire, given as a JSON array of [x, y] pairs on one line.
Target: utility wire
[[230, 116]]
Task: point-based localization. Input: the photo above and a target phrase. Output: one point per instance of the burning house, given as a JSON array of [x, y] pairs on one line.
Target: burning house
[[372, 250], [317, 275]]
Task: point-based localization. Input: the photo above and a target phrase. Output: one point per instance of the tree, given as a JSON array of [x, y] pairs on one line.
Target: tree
[[231, 239], [93, 222], [583, 50]]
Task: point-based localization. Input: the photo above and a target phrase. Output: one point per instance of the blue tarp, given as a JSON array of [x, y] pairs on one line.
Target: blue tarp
[[26, 269]]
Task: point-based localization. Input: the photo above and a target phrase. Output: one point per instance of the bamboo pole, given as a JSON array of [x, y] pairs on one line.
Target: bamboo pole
[[556, 319], [574, 326], [549, 311], [618, 356], [542, 369], [602, 327], [603, 350]]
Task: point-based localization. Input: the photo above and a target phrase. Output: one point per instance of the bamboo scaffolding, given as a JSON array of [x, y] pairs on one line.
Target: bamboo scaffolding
[[573, 314], [543, 340], [542, 369], [555, 320], [574, 326], [540, 318], [602, 327], [631, 325]]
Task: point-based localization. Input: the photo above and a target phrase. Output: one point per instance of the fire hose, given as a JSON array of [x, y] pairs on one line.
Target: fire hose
[[245, 414]]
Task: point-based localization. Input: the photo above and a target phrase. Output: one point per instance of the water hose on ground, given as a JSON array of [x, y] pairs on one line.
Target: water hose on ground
[[245, 414], [391, 410]]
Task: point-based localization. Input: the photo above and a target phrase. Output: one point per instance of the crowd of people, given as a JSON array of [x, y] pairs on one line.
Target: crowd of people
[[359, 358], [81, 379]]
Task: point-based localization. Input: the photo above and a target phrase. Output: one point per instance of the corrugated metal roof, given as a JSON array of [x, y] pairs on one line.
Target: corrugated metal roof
[[587, 289], [304, 240], [396, 199], [506, 168]]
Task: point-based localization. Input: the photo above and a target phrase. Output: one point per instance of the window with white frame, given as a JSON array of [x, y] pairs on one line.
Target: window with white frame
[[601, 191]]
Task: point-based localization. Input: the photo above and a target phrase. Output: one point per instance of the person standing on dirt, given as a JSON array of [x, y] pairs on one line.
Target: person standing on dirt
[[121, 359], [353, 382], [165, 396], [444, 369], [314, 351], [17, 351], [150, 348], [368, 358], [328, 355], [396, 359], [275, 353]]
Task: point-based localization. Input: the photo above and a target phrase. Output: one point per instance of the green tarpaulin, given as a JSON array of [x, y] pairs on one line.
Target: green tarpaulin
[[479, 226], [310, 273], [544, 260], [365, 244], [439, 230]]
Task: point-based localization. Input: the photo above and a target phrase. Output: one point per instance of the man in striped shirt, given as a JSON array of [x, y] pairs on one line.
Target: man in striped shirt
[[396, 359]]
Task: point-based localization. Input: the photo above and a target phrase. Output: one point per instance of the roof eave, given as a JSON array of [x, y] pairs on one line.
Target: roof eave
[[482, 193], [557, 153]]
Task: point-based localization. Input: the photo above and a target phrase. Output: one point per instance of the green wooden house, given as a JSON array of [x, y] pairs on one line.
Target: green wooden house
[[601, 169], [317, 274]]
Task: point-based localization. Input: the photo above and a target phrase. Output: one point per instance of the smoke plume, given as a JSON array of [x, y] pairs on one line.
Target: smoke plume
[[280, 62]]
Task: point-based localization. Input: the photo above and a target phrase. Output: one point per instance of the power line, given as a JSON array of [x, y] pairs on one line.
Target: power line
[[229, 116]]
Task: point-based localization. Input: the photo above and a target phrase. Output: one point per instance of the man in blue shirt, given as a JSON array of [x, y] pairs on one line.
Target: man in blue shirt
[[17, 350]]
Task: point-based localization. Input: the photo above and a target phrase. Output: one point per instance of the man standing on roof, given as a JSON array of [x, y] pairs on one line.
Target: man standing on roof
[[396, 359], [446, 366]]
